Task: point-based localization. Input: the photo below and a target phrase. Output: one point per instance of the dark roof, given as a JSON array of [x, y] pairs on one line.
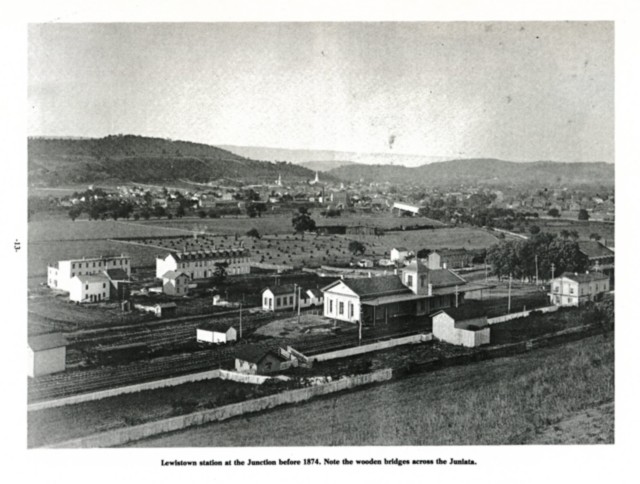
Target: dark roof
[[47, 341], [399, 249], [117, 274], [376, 286], [254, 354], [174, 275], [316, 292], [593, 249], [464, 312], [284, 289], [92, 278], [587, 277], [166, 305], [216, 326], [445, 277], [417, 266]]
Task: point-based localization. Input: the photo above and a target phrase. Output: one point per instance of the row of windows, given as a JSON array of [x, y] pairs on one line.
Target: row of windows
[[205, 263], [104, 286], [119, 262]]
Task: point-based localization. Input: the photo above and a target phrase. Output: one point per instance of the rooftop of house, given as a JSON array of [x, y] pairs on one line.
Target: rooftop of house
[[585, 277], [209, 254], [47, 341], [174, 275], [374, 286], [444, 278], [217, 326], [117, 274], [400, 249], [593, 249], [416, 266], [92, 278], [464, 313], [284, 289], [254, 354]]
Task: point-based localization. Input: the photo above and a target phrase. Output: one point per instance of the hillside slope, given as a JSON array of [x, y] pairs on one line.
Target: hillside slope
[[124, 158], [484, 172]]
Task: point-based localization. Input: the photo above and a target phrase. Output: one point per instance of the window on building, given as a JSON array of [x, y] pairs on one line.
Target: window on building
[[330, 305], [104, 284], [86, 287], [290, 299], [571, 290], [423, 280], [73, 274], [351, 310], [341, 307], [73, 266]]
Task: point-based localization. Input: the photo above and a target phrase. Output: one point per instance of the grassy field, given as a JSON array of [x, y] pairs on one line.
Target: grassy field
[[505, 401], [68, 422], [584, 229]]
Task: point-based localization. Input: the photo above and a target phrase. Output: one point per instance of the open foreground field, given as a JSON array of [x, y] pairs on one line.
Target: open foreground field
[[513, 400]]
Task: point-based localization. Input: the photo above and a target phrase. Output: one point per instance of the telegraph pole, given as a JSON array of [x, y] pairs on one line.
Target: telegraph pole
[[456, 295], [553, 270], [509, 303], [295, 289], [299, 304], [536, 269], [240, 320], [486, 271]]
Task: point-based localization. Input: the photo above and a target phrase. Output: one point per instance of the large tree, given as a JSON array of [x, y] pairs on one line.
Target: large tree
[[302, 221], [357, 247]]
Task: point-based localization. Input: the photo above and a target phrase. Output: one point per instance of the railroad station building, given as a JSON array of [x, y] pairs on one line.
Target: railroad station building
[[415, 291]]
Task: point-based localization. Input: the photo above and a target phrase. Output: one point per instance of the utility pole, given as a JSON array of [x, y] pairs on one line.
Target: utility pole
[[456, 295], [240, 320], [299, 304], [536, 269], [553, 270], [486, 271], [295, 290], [509, 303], [360, 332]]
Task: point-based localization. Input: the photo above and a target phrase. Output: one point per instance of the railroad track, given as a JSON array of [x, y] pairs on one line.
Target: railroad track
[[84, 381]]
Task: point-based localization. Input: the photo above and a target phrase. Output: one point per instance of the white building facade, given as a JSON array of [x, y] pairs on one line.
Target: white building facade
[[60, 274], [91, 288], [472, 333], [573, 289], [202, 264]]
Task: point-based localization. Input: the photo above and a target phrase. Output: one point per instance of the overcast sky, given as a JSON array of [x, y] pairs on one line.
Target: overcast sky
[[515, 91]]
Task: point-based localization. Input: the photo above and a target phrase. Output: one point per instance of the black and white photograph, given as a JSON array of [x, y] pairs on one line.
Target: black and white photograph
[[320, 233]]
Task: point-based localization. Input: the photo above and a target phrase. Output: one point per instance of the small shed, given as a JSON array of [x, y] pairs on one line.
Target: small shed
[[257, 360], [47, 354], [465, 326], [216, 333]]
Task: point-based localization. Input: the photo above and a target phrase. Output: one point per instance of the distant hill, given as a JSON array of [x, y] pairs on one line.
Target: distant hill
[[483, 172], [302, 157], [129, 158], [325, 165]]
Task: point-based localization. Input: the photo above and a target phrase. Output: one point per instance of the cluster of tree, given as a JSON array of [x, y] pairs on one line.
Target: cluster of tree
[[302, 221], [331, 212], [102, 208], [255, 209], [547, 252], [356, 247]]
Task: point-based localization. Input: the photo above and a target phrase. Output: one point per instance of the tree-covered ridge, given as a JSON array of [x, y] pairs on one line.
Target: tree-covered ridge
[[483, 171], [58, 161]]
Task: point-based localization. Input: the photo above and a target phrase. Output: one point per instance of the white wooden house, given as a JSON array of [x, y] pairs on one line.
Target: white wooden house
[[574, 289], [89, 288], [279, 297]]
